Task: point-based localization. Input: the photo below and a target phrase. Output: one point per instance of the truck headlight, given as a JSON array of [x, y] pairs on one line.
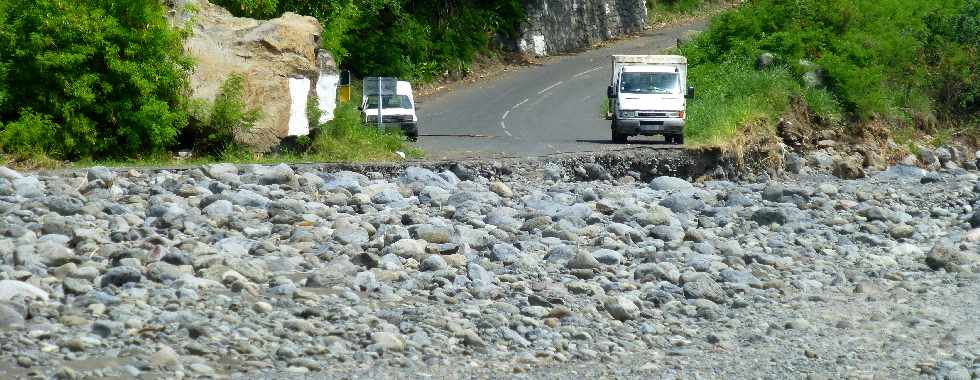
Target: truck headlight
[[627, 114]]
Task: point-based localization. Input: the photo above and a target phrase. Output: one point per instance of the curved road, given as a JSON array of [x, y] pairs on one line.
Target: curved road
[[551, 108]]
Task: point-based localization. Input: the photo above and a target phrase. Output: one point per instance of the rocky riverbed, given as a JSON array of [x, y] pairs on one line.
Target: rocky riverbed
[[277, 272]]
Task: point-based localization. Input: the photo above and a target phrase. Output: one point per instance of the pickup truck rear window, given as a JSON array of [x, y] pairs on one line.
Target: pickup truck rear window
[[391, 101]]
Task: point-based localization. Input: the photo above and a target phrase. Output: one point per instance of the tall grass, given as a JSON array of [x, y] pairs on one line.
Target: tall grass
[[877, 63], [730, 96], [348, 138], [667, 11]]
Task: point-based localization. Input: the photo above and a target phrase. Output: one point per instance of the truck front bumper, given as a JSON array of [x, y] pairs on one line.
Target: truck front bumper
[[648, 127], [409, 128]]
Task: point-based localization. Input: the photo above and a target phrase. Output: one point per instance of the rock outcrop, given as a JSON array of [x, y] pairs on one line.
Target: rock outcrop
[[279, 58], [558, 26]]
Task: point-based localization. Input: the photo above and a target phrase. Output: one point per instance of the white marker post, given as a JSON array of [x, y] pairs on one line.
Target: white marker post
[[380, 105]]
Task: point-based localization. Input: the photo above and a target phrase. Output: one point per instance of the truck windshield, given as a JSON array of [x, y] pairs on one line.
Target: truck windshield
[[390, 101], [649, 83]]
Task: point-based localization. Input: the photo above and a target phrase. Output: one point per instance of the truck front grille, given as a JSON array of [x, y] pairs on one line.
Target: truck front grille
[[653, 114], [390, 119]]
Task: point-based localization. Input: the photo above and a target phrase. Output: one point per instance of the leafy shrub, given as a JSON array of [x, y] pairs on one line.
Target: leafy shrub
[[98, 77], [911, 63], [216, 125], [30, 134], [887, 58], [348, 138]]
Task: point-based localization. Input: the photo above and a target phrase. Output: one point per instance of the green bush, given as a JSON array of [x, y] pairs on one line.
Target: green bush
[[892, 59], [217, 124], [912, 64], [96, 78]]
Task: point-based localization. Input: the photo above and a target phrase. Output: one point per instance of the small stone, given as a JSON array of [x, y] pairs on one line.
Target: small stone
[[621, 308], [120, 276], [386, 341], [12, 289], [607, 257], [583, 260], [667, 183], [471, 338], [262, 307], [107, 329], [704, 287], [770, 215], [902, 231], [66, 373], [433, 263], [501, 189], [945, 255], [165, 357]]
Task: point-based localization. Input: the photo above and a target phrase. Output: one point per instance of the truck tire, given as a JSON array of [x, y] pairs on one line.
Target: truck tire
[[414, 136], [619, 138], [679, 139]]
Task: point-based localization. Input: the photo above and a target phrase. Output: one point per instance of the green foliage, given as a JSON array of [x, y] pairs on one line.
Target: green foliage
[[216, 125], [30, 133], [413, 39], [666, 11], [736, 96], [97, 78], [347, 138], [891, 59]]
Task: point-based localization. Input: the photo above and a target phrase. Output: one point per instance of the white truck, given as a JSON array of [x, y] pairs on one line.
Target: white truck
[[648, 96], [396, 106]]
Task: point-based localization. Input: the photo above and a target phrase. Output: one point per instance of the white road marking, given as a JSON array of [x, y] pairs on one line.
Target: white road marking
[[587, 98], [519, 104], [549, 88], [502, 125], [508, 133], [505, 115], [594, 69]]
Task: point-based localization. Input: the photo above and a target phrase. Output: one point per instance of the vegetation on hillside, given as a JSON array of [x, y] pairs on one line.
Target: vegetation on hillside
[[89, 78], [666, 11], [106, 80], [413, 39], [904, 64]]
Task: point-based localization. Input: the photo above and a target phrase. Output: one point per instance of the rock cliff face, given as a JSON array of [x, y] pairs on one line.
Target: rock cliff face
[[558, 26], [278, 58]]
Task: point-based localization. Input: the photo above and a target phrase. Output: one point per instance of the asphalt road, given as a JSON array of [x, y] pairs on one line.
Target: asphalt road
[[554, 107]]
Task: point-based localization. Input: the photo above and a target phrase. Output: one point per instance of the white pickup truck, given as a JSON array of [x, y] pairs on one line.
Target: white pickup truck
[[648, 96], [397, 105]]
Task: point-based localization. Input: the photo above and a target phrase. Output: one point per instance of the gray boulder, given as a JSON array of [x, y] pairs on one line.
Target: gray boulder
[[666, 183]]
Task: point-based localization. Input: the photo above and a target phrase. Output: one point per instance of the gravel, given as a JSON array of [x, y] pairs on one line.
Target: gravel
[[534, 270]]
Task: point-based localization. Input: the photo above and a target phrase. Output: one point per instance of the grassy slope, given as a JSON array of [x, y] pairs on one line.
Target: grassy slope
[[871, 76]]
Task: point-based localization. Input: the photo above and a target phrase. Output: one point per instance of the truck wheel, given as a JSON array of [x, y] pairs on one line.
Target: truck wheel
[[619, 138], [414, 137], [679, 139]]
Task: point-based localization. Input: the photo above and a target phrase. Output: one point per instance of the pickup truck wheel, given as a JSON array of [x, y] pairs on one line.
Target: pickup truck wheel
[[619, 138], [413, 137], [679, 139]]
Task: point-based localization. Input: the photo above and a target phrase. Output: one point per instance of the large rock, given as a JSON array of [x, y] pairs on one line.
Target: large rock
[[10, 289], [271, 55], [848, 168]]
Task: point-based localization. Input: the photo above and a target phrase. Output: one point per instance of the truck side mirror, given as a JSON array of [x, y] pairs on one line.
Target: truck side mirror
[[360, 108], [610, 92], [690, 93]]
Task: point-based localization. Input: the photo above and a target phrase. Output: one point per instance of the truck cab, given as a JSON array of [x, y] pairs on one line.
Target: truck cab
[[648, 96], [394, 101]]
